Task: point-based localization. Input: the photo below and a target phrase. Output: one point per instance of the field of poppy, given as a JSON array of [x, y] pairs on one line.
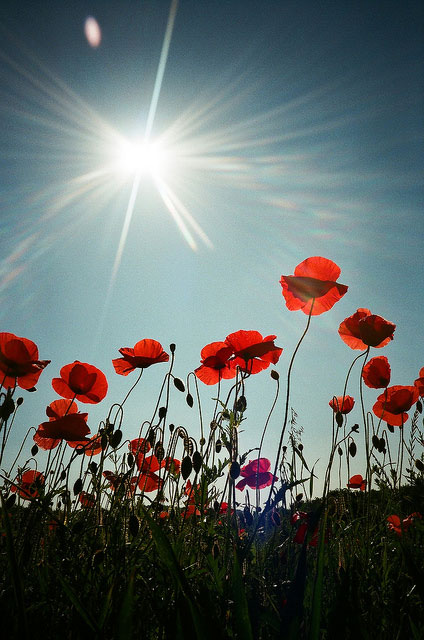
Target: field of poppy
[[171, 536]]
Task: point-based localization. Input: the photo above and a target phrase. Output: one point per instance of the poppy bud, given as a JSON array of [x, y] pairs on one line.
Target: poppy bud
[[172, 347], [202, 442], [63, 475], [275, 375], [299, 497], [376, 441], [34, 450], [352, 449], [10, 501], [171, 427], [241, 404], [420, 465], [189, 400], [162, 413], [19, 401], [197, 461], [340, 451], [218, 446], [93, 466], [300, 447], [115, 438], [78, 487], [390, 428], [339, 419], [159, 451], [355, 428], [284, 449], [186, 467], [133, 525], [130, 459], [179, 384], [234, 470]]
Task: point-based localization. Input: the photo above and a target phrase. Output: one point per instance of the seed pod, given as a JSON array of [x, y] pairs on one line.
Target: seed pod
[[115, 438], [159, 451], [218, 446], [171, 427], [300, 447], [172, 347], [197, 461], [241, 404], [355, 428], [189, 400], [130, 459], [179, 384], [352, 449], [420, 465], [234, 470], [186, 467], [77, 487]]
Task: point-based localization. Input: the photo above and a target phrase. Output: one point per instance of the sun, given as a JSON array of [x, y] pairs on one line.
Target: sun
[[142, 158]]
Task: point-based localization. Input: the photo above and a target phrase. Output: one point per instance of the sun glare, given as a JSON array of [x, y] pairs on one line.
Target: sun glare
[[144, 158]]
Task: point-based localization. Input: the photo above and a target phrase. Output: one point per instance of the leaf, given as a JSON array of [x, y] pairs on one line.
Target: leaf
[[85, 615], [242, 624]]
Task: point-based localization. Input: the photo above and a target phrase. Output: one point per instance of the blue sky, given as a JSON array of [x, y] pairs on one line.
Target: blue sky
[[292, 130]]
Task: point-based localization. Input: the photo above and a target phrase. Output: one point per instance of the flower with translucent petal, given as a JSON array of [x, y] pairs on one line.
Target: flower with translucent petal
[[81, 381], [313, 285], [342, 404], [28, 484], [145, 353], [363, 329], [252, 352], [393, 404], [19, 363], [376, 373], [215, 363], [357, 482], [419, 382], [256, 474]]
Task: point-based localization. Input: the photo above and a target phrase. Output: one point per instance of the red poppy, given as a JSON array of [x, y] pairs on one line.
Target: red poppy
[[256, 474], [313, 282], [302, 529], [55, 410], [139, 445], [149, 480], [145, 353], [91, 446], [363, 329], [28, 484], [172, 465], [65, 423], [252, 352], [392, 405], [357, 482], [87, 499], [342, 404], [19, 363], [376, 373], [81, 381], [419, 382], [399, 527], [215, 364]]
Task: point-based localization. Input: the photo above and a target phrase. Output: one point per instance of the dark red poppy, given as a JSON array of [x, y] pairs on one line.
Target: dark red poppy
[[256, 474], [300, 519], [65, 423], [252, 352], [357, 482], [87, 499], [19, 363], [148, 479], [145, 353], [419, 382], [81, 381], [91, 446], [401, 526], [376, 373], [28, 484], [363, 329], [393, 404], [342, 404], [215, 364], [55, 410], [313, 282]]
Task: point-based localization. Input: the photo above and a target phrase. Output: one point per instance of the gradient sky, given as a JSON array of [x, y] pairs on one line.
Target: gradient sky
[[292, 129]]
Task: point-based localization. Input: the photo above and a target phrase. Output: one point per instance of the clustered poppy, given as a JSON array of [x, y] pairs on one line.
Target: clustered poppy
[[144, 353], [419, 382], [363, 329], [342, 404], [81, 381], [357, 482], [376, 373], [313, 286], [393, 404], [247, 350], [19, 363], [401, 526], [28, 484], [256, 474]]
